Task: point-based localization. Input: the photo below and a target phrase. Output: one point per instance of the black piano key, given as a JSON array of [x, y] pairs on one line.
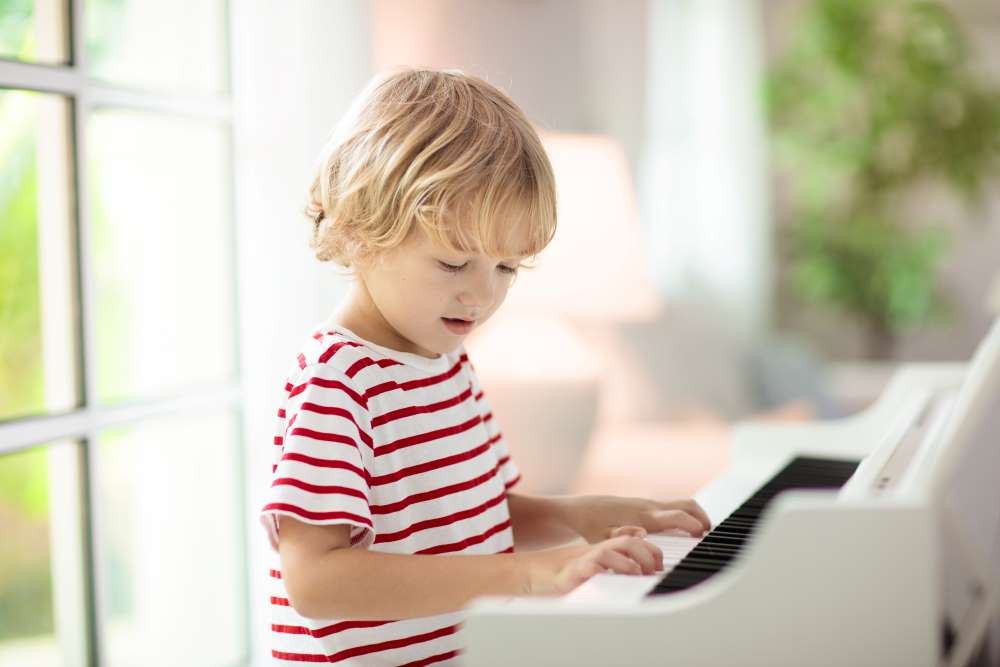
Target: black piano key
[[726, 541]]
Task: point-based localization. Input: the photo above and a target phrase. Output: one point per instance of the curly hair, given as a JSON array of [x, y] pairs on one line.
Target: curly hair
[[439, 148]]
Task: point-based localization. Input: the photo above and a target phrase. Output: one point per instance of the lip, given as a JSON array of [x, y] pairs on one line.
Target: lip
[[458, 327]]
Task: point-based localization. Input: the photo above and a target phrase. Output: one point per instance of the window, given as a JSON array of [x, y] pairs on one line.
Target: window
[[121, 487]]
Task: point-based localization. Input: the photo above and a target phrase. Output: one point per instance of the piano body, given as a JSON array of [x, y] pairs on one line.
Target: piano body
[[870, 540]]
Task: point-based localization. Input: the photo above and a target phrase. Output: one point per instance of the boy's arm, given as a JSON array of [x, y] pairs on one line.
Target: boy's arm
[[540, 522], [327, 579]]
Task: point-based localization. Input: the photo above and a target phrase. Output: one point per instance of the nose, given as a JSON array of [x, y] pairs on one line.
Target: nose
[[478, 292]]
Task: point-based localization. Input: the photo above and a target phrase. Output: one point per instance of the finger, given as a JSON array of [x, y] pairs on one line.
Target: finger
[[645, 553], [618, 562], [634, 531], [641, 551], [669, 519], [692, 507], [696, 510]]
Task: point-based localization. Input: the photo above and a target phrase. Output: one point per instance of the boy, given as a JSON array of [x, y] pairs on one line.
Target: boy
[[434, 189]]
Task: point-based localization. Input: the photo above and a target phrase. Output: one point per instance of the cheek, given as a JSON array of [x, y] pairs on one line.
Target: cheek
[[435, 291], [501, 293]]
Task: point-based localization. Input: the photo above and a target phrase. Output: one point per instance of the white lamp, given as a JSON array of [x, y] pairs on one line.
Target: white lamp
[[594, 269]]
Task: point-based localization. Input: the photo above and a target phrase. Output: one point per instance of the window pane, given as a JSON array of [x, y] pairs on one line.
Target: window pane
[[38, 362], [34, 31], [42, 611], [162, 250], [170, 556], [171, 47]]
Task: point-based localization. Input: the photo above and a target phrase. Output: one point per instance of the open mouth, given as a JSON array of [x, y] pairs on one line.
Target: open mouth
[[458, 325]]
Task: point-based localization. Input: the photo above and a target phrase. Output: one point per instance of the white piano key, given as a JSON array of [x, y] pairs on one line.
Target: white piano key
[[628, 588]]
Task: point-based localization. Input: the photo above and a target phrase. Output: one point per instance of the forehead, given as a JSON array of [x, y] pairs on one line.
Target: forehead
[[508, 243]]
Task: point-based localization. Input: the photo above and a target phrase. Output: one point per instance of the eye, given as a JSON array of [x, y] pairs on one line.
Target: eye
[[451, 267]]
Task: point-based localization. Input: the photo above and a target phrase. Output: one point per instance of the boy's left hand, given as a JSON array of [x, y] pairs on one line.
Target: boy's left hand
[[597, 518]]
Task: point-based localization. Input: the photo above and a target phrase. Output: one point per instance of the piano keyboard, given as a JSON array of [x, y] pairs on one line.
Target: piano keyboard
[[723, 543]]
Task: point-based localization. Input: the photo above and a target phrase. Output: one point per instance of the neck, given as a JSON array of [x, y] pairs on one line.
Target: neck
[[360, 314]]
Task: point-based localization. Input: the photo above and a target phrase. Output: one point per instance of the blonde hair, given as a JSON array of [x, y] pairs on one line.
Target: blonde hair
[[439, 148]]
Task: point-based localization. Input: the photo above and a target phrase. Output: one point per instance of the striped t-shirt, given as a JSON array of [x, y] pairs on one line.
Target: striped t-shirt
[[405, 450]]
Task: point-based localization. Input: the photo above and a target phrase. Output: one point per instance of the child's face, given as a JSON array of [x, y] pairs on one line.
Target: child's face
[[412, 292]]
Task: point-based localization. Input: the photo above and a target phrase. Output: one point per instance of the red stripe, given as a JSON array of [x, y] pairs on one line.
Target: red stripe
[[436, 493], [393, 643], [317, 516], [432, 380], [302, 360], [365, 362], [289, 629], [489, 416], [440, 521], [421, 409], [413, 384], [298, 657], [431, 660], [281, 412], [325, 437], [512, 482], [347, 625], [444, 462], [479, 396], [358, 365], [275, 573], [329, 384], [332, 350], [327, 463], [339, 412], [421, 438], [278, 439], [281, 602], [467, 542], [318, 335], [316, 488]]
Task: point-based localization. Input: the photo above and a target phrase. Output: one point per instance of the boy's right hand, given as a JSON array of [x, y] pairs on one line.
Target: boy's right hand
[[558, 571]]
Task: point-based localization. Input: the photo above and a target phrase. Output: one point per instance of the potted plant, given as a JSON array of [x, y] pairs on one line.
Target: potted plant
[[870, 103]]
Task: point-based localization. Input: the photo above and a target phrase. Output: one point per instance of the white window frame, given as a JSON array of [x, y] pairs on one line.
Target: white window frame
[[83, 424]]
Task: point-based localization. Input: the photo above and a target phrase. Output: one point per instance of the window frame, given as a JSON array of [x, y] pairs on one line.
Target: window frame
[[83, 424]]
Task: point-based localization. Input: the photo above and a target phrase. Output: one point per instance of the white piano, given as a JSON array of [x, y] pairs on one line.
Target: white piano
[[872, 540]]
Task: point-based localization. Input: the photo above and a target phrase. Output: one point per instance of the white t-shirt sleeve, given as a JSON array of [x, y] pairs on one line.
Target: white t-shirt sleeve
[[322, 456], [508, 469]]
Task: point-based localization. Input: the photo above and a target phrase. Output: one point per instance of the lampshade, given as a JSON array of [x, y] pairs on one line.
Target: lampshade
[[594, 268]]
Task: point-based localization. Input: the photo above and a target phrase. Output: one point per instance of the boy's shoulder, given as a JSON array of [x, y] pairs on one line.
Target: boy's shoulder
[[332, 349]]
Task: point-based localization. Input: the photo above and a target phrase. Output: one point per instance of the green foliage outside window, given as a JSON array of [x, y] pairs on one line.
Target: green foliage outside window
[[20, 347], [871, 101], [26, 608]]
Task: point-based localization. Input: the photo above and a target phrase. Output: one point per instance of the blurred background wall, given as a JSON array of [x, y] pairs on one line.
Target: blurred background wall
[[158, 280]]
